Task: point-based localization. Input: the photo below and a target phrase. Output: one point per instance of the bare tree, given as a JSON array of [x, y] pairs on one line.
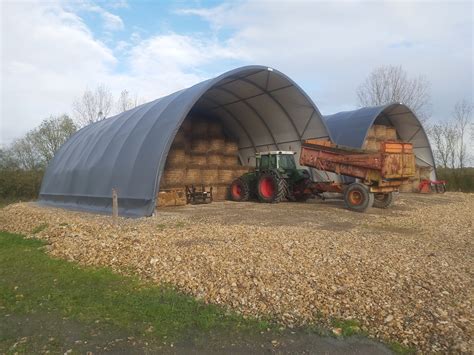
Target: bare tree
[[126, 101], [438, 133], [93, 106], [388, 84], [462, 118], [51, 134]]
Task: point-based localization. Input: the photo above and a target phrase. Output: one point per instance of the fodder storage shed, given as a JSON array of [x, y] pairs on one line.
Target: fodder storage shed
[[359, 127], [259, 106]]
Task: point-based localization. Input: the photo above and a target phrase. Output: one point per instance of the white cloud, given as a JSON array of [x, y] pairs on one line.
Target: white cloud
[[330, 47], [48, 57], [111, 22]]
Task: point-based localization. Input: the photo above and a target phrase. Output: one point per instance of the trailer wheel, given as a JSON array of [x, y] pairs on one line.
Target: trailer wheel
[[358, 198], [239, 190], [383, 200], [271, 188]]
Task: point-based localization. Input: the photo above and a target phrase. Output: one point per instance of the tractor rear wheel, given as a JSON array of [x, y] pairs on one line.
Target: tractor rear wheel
[[239, 190], [271, 188], [383, 200], [357, 197]]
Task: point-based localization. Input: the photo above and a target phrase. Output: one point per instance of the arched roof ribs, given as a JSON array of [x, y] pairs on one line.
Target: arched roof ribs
[[277, 102], [236, 121], [254, 110], [248, 97]]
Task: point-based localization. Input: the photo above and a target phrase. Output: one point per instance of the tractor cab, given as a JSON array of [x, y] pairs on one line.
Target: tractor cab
[[275, 160]]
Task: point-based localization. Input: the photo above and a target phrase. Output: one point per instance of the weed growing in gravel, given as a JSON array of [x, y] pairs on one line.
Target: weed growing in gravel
[[39, 228]]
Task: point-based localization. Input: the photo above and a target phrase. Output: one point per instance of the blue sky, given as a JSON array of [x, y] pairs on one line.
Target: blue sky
[[52, 51]]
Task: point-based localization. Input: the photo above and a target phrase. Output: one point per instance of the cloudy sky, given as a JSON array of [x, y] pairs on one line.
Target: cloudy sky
[[51, 51]]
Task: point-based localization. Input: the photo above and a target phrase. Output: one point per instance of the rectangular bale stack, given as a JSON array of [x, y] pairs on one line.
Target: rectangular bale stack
[[202, 155], [380, 133]]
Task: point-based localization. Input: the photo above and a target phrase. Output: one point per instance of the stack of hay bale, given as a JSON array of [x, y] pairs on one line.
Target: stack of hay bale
[[379, 133], [202, 155]]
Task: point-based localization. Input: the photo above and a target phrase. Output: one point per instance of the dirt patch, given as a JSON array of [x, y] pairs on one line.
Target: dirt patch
[[404, 273]]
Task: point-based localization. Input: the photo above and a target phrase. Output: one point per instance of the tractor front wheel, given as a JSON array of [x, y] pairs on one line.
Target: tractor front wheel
[[383, 200], [271, 188], [239, 190], [357, 197]]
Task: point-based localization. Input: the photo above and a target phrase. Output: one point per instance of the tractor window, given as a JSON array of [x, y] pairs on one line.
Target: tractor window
[[287, 162], [273, 161], [264, 162]]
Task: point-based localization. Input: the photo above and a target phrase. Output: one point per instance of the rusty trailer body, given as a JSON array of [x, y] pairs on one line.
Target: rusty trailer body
[[380, 173], [388, 167]]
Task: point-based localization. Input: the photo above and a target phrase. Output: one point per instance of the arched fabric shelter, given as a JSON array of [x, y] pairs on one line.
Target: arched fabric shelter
[[260, 106], [350, 128]]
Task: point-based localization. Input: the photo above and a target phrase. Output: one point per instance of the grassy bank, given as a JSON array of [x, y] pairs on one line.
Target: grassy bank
[[35, 287]]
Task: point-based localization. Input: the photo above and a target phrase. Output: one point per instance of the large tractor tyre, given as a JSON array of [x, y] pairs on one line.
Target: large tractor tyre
[[271, 188], [383, 200], [440, 188], [239, 190], [358, 198]]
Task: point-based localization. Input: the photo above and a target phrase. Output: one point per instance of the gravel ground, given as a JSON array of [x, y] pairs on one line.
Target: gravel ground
[[404, 273]]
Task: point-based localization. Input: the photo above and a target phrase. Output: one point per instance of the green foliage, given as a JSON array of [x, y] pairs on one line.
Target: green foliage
[[348, 327], [33, 283], [39, 228], [458, 179], [20, 184]]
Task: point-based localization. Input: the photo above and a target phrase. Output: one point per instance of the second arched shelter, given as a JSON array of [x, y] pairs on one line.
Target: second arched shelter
[[365, 127]]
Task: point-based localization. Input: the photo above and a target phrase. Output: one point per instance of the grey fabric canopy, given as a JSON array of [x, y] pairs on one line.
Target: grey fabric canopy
[[260, 106], [350, 128]]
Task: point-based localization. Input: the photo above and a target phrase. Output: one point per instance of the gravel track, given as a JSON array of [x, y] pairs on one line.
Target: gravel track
[[405, 273]]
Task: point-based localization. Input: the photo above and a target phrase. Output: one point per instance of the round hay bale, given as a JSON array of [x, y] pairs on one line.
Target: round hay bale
[[231, 160], [225, 175], [215, 129], [209, 176], [199, 128], [198, 159], [176, 157], [216, 144], [172, 177], [231, 147], [214, 158], [193, 176], [199, 145]]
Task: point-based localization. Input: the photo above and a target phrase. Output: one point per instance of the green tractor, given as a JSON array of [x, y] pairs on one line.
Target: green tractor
[[275, 178]]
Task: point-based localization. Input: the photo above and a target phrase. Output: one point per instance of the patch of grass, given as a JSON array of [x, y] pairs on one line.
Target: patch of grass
[[180, 224], [348, 327], [398, 348], [39, 228], [32, 282]]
